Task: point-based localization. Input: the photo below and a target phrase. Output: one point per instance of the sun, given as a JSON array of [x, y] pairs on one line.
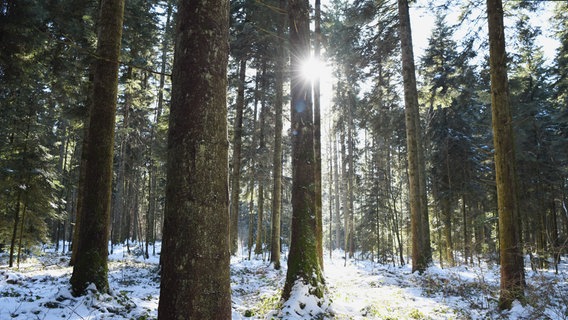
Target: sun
[[313, 68]]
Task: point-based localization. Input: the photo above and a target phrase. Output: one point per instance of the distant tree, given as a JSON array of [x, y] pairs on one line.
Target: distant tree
[[237, 147], [195, 254], [512, 266], [303, 262]]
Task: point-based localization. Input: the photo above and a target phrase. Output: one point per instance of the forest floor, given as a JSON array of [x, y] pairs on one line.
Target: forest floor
[[358, 289]]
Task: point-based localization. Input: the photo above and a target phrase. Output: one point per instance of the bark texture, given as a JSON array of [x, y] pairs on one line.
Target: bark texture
[[303, 262], [195, 254], [419, 227], [512, 267], [90, 265], [317, 133], [277, 157]]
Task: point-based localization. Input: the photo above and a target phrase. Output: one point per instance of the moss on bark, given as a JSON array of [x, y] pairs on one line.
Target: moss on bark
[[303, 261]]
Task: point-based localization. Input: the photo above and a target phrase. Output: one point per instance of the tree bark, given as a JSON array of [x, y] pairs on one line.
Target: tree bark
[[317, 133], [512, 267], [261, 164], [420, 250], [303, 262], [92, 248], [277, 156], [196, 252], [337, 217]]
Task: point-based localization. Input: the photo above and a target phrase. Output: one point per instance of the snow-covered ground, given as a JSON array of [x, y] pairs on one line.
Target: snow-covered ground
[[40, 289]]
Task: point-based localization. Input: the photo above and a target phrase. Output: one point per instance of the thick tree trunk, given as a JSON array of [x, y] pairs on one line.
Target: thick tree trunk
[[196, 252], [512, 267], [303, 262], [92, 250], [237, 146]]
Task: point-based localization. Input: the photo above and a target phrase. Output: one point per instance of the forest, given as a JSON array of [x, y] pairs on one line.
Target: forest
[[290, 159]]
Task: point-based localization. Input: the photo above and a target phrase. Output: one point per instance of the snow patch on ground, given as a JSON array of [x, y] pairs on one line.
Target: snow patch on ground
[[356, 289]]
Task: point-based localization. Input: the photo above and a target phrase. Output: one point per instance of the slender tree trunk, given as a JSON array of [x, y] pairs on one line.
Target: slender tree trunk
[[81, 183], [15, 228], [512, 268], [251, 215], [337, 194], [20, 243], [351, 175], [303, 262], [395, 217], [466, 237], [92, 250], [277, 156], [153, 172], [420, 252], [344, 193], [237, 146], [449, 244], [261, 173], [196, 251], [253, 174], [317, 134], [331, 197]]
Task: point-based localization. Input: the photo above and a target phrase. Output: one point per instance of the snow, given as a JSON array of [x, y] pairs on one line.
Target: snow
[[358, 289]]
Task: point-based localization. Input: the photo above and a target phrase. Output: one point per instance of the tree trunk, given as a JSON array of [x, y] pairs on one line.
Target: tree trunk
[[420, 252], [15, 228], [153, 172], [512, 268], [196, 252], [449, 244], [303, 262], [253, 173], [277, 156], [345, 192], [92, 250], [237, 146], [351, 174], [317, 134], [337, 216], [261, 165]]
